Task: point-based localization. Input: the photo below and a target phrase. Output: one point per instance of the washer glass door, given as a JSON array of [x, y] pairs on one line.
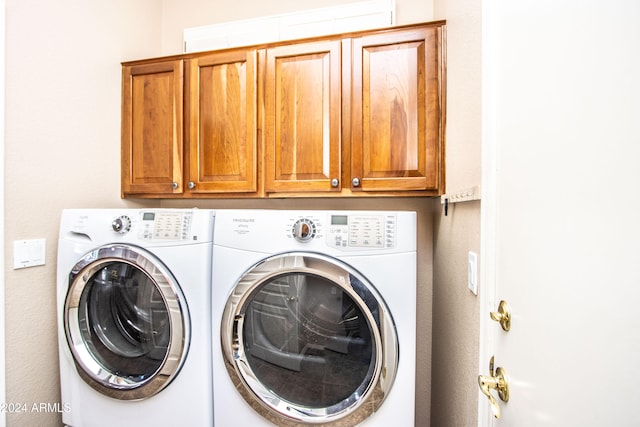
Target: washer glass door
[[126, 322], [309, 340]]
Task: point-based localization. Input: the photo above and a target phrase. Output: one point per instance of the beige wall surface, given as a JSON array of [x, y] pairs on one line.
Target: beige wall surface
[[456, 309], [455, 318], [62, 139], [63, 150]]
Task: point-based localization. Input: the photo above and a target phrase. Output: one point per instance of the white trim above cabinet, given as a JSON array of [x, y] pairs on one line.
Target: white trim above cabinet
[[364, 15]]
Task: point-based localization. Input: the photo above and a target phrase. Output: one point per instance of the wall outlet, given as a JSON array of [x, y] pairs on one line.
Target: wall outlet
[[472, 276]]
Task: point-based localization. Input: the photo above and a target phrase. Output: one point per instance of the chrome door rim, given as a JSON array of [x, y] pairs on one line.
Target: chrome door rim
[[357, 407], [90, 370]]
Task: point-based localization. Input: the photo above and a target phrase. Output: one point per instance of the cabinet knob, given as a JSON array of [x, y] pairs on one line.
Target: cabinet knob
[[191, 185], [355, 182], [335, 182], [174, 185]]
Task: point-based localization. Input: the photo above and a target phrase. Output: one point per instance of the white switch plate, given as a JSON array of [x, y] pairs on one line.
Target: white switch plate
[[472, 281], [28, 253]]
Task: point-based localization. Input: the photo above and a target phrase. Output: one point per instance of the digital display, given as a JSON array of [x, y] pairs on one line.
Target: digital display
[[148, 216], [339, 220]]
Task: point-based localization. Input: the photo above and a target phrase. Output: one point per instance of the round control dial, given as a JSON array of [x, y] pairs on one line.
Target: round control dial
[[122, 224], [304, 230]]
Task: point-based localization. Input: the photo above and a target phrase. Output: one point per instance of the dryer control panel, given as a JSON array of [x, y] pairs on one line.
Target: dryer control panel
[[346, 230], [155, 225], [165, 225], [362, 231]]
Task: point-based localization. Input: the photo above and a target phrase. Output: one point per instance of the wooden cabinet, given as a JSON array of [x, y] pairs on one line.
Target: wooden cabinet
[[221, 136], [190, 127], [362, 114], [358, 114], [152, 128], [397, 111], [302, 117]]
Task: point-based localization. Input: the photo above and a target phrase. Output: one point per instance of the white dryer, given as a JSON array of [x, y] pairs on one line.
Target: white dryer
[[317, 318], [134, 308]]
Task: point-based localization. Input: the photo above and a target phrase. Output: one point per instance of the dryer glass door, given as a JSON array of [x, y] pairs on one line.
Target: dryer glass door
[[311, 341], [126, 322]]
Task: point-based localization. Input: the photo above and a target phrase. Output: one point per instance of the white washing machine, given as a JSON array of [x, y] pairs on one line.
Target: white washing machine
[[134, 292], [317, 318]]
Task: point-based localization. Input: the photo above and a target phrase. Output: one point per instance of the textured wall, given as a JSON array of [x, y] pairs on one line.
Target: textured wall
[[62, 149], [456, 309], [455, 318]]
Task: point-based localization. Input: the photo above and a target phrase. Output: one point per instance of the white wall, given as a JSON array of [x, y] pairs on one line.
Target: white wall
[[62, 148]]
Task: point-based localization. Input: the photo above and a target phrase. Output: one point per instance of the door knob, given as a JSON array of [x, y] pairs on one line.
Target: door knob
[[497, 382], [503, 315]]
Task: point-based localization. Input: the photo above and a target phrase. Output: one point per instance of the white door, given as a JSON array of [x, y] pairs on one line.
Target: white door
[[561, 210]]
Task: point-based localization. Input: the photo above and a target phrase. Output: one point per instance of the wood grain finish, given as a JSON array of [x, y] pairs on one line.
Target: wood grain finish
[[222, 134], [152, 128], [302, 117], [396, 111], [290, 119]]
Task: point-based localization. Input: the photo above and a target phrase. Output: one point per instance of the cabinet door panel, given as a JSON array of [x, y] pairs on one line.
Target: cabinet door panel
[[396, 128], [302, 117], [222, 122], [152, 128]]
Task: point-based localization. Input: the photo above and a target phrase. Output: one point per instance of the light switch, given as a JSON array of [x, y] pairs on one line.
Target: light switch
[[472, 280], [28, 253]]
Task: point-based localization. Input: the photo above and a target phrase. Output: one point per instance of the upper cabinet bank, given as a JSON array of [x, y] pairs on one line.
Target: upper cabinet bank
[[357, 114]]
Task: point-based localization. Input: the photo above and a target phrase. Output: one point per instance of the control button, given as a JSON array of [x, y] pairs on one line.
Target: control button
[[121, 224], [304, 230]]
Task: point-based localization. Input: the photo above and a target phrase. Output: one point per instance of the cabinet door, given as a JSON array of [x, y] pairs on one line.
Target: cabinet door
[[302, 117], [152, 97], [221, 111], [396, 111]]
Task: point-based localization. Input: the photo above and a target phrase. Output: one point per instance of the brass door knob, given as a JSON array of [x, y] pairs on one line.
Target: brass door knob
[[503, 315], [497, 381]]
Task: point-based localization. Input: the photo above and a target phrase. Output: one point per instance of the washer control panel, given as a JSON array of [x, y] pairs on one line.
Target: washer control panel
[[344, 231], [362, 231], [155, 225]]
